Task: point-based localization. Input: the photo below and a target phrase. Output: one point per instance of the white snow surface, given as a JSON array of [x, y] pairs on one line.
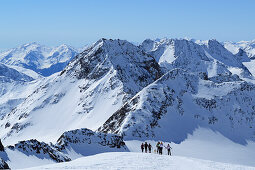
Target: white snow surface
[[21, 160], [207, 145], [128, 160]]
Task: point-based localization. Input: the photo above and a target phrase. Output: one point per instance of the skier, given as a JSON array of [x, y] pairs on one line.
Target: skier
[[149, 146], [161, 148], [168, 149], [145, 146], [157, 146], [142, 147]]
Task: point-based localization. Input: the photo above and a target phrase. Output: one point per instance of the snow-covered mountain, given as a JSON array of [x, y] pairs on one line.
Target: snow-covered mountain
[[22, 69], [242, 50], [159, 90], [41, 59], [90, 89], [210, 57], [199, 88], [161, 109], [247, 46]]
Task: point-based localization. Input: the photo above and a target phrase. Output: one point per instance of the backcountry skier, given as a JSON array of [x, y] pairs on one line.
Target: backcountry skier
[[145, 146], [142, 146], [168, 149]]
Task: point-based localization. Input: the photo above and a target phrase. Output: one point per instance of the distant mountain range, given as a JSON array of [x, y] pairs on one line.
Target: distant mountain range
[[41, 59]]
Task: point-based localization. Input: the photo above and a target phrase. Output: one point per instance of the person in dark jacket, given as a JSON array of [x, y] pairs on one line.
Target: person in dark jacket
[[161, 148], [145, 146], [142, 147], [149, 147], [157, 146]]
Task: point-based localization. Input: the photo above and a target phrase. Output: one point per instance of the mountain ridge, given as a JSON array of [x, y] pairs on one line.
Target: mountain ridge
[[159, 90]]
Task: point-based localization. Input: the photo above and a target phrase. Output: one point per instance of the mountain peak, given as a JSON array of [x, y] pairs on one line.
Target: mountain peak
[[30, 46], [130, 62]]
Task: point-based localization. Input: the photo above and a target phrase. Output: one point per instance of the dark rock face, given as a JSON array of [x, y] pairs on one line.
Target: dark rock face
[[174, 97], [130, 62], [82, 141], [162, 96], [86, 136], [3, 164], [1, 146], [40, 149]]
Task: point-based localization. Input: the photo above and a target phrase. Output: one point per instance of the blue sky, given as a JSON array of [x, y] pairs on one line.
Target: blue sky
[[79, 22]]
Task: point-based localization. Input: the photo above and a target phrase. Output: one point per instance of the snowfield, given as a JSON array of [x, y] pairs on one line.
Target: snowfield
[[206, 144], [129, 160]]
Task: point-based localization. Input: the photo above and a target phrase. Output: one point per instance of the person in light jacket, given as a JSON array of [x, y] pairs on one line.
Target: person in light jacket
[[168, 147]]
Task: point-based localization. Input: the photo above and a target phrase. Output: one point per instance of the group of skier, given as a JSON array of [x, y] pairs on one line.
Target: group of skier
[[159, 148], [146, 147]]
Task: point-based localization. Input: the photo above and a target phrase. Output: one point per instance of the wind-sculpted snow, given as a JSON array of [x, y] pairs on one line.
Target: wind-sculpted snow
[[176, 104]]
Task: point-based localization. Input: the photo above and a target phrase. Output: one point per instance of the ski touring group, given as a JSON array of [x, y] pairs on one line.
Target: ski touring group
[[145, 147]]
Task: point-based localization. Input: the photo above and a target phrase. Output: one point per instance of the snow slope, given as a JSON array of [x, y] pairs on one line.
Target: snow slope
[[179, 98], [206, 144], [14, 87], [107, 74], [128, 160]]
